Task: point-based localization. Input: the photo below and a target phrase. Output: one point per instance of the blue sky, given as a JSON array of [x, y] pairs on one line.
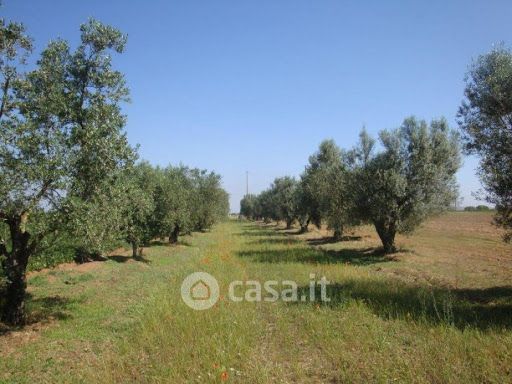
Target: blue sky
[[257, 85]]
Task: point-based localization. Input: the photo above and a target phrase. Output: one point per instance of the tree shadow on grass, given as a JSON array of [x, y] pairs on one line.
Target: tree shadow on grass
[[392, 299], [124, 259], [276, 240], [158, 243], [43, 310], [305, 254], [483, 309], [260, 232], [165, 243], [50, 307], [354, 256], [492, 295], [332, 240]]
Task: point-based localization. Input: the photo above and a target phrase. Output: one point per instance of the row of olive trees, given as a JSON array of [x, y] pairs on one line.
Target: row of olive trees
[[66, 166], [397, 188], [411, 178], [167, 202]]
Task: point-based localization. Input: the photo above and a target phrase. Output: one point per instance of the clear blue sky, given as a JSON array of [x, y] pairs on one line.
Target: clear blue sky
[[256, 85]]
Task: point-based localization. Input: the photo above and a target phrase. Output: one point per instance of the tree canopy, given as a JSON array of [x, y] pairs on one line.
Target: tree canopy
[[485, 118], [412, 178]]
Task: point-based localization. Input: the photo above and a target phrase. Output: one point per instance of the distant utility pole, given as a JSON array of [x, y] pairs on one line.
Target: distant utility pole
[[246, 183]]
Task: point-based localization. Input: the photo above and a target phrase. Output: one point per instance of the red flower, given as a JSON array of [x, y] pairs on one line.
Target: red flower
[[224, 376]]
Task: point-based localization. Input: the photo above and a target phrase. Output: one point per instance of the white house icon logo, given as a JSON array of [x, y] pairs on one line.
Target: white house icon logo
[[200, 290]]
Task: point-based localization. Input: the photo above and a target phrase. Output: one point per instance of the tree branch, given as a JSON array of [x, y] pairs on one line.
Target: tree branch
[[38, 196], [5, 90]]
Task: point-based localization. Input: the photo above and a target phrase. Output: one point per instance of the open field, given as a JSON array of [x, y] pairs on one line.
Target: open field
[[212, 231], [438, 311]]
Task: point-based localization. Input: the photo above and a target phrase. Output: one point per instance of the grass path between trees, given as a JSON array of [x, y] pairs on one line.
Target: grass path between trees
[[124, 321]]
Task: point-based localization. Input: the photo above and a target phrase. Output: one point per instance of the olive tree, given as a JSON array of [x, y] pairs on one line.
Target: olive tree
[[412, 178], [15, 244], [316, 180], [282, 192], [248, 207], [303, 201], [265, 206], [139, 208], [486, 121], [323, 191], [61, 142], [339, 206], [97, 190], [210, 203], [173, 203]]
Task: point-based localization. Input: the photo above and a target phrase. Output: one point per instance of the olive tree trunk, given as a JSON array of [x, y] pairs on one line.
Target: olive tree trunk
[[387, 232], [338, 233], [173, 237], [304, 226], [15, 266]]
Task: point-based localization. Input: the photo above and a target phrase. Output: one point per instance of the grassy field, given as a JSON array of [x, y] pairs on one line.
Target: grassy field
[[439, 311]]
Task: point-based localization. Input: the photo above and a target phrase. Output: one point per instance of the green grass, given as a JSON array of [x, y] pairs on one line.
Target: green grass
[[125, 321]]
